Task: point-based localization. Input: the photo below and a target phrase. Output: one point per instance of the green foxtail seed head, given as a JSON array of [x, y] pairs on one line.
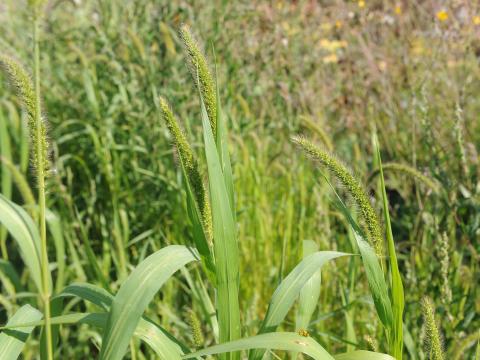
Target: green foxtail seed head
[[352, 185], [199, 67], [372, 343], [446, 291], [191, 167], [25, 90], [432, 335], [196, 326]]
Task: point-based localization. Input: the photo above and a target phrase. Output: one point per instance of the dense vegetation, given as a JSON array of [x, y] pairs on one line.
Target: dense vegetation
[[178, 164]]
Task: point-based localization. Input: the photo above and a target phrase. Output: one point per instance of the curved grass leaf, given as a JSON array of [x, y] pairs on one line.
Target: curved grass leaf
[[12, 341], [363, 355], [22, 228], [288, 290], [136, 293], [158, 339], [104, 299], [308, 299], [285, 341]]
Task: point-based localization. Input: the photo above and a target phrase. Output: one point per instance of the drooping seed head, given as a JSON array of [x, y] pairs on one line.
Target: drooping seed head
[[191, 167], [22, 83], [199, 68], [353, 186]]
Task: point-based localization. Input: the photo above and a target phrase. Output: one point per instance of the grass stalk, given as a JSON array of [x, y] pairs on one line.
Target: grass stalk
[[40, 167]]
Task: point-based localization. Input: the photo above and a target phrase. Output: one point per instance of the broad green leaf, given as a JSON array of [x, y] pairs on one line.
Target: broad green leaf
[[222, 148], [289, 289], [308, 299], [274, 341], [136, 293], [363, 355], [225, 242], [7, 270], [104, 299], [158, 339], [89, 292], [398, 301], [20, 225], [12, 341]]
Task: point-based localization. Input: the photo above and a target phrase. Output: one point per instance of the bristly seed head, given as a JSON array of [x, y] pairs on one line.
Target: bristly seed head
[[199, 67], [191, 167], [431, 329], [22, 82], [357, 192]]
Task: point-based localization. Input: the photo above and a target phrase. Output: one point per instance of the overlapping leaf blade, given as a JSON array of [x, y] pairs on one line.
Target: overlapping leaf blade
[[275, 341], [12, 341], [136, 293]]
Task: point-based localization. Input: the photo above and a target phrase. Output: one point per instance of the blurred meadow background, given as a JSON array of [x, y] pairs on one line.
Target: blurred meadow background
[[336, 72]]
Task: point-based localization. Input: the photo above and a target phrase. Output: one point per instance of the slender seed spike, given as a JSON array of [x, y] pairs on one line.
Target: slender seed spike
[[446, 291], [22, 82], [191, 166], [353, 186], [432, 334], [199, 67], [196, 326]]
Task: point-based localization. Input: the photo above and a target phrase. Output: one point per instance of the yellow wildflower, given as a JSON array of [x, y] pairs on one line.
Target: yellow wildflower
[[330, 59], [361, 4], [442, 15], [476, 20], [338, 24], [398, 10], [332, 45]]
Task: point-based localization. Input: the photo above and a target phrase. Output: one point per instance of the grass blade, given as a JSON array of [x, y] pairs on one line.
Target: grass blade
[[136, 293], [225, 242], [12, 341], [289, 289], [22, 228], [363, 355], [398, 302], [276, 341]]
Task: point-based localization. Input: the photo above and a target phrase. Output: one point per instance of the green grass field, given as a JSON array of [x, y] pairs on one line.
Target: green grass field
[[239, 180]]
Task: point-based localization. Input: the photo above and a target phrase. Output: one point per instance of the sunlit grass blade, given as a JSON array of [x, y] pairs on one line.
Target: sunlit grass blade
[[398, 302], [136, 293], [20, 225], [222, 148], [289, 289], [12, 341], [158, 339], [308, 299], [225, 242], [363, 355], [274, 341]]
